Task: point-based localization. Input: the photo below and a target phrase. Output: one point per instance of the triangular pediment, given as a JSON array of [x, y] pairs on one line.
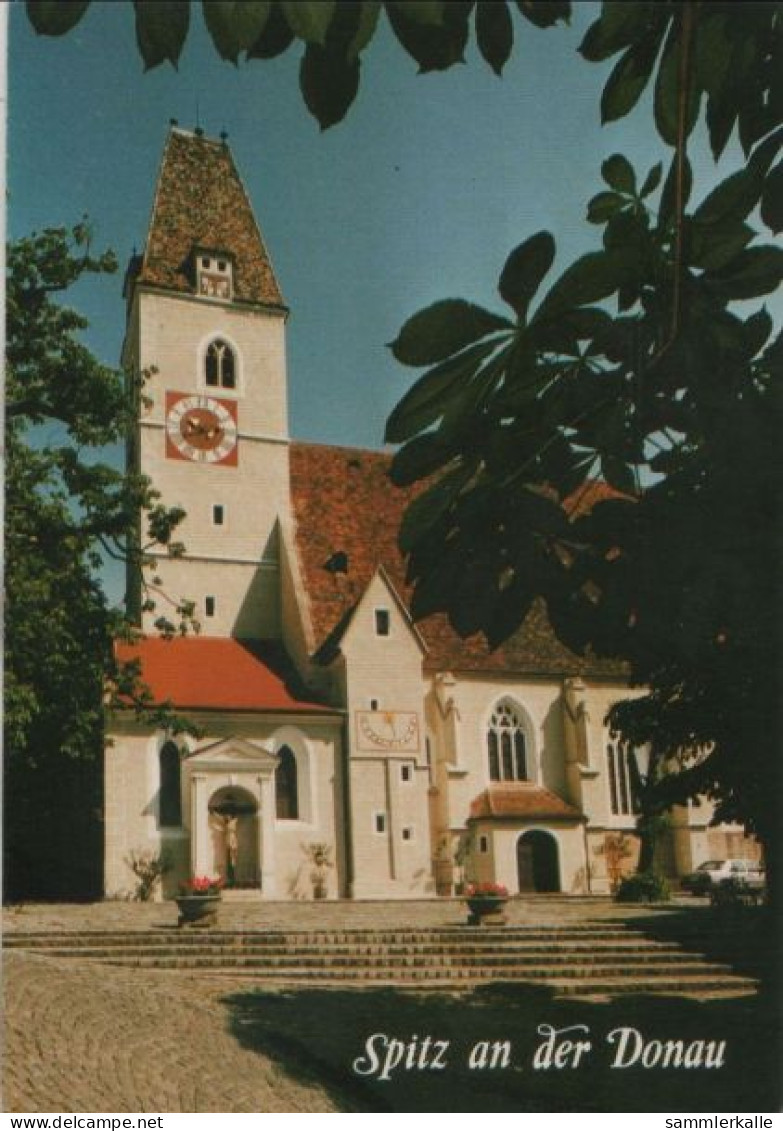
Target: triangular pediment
[[232, 753], [381, 583]]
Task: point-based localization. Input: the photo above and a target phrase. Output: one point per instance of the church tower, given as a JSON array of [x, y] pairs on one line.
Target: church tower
[[206, 325]]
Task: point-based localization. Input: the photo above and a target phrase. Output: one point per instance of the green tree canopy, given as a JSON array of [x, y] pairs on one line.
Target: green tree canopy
[[65, 508]]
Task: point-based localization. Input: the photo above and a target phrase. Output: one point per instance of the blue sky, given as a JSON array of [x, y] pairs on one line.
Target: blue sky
[[419, 195]]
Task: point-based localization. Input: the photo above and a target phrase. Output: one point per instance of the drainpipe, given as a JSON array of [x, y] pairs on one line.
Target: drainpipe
[[347, 827], [588, 870]]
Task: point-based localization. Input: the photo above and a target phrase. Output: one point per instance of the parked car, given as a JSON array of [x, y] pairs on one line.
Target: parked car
[[744, 874]]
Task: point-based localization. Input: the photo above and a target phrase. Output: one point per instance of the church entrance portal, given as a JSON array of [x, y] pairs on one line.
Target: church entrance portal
[[537, 862], [233, 824]]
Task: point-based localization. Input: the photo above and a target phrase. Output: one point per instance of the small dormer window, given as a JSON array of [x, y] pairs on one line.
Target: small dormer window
[[220, 365], [214, 277]]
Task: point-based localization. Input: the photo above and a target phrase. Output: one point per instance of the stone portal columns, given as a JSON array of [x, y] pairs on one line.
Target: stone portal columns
[[200, 845]]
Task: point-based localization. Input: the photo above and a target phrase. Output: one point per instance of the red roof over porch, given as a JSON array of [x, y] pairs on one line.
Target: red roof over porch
[[220, 673]]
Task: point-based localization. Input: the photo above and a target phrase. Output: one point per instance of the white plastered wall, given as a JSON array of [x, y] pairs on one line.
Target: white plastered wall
[[387, 670], [131, 801], [237, 562]]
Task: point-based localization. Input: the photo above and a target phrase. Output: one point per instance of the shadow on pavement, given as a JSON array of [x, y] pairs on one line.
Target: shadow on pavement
[[316, 1034]]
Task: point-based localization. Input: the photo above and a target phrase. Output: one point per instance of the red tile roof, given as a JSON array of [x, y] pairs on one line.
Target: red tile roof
[[345, 505], [517, 799], [219, 673], [201, 202]]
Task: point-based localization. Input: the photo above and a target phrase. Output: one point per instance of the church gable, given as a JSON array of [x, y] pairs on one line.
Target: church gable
[[382, 622]]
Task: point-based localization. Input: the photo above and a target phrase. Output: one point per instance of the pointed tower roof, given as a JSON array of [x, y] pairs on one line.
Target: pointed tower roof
[[200, 202]]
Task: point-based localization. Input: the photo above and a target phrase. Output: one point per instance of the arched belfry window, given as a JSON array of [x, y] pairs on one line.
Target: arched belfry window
[[286, 786], [220, 365], [170, 808], [506, 745]]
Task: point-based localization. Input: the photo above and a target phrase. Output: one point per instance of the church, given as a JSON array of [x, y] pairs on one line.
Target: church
[[344, 751]]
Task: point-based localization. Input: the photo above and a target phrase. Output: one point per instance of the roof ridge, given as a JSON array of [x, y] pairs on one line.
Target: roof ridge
[[320, 446], [201, 136], [155, 199]]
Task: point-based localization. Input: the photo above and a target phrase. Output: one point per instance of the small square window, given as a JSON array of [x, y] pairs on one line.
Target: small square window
[[382, 622], [407, 832], [379, 821], [218, 514], [406, 772], [221, 264], [373, 704], [206, 262], [483, 844], [209, 606]]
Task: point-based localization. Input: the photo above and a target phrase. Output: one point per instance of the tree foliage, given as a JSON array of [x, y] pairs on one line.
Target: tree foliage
[[65, 508], [637, 367], [330, 34]]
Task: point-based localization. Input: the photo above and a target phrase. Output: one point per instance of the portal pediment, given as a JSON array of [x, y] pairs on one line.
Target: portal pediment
[[232, 754]]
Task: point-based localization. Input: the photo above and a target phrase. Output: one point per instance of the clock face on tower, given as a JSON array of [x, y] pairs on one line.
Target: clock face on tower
[[202, 429]]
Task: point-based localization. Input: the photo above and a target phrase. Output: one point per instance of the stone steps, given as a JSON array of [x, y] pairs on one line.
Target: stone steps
[[314, 960], [583, 959], [725, 985], [466, 942], [511, 968], [566, 984], [435, 936], [653, 953]]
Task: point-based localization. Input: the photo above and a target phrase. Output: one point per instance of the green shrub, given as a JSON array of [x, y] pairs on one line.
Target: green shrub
[[644, 887]]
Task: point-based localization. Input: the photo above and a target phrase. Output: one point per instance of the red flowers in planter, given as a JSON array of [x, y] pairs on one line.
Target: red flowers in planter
[[202, 885], [492, 890]]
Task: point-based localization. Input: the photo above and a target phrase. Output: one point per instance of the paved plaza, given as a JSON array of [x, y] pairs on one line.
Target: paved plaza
[[82, 1037], [247, 914]]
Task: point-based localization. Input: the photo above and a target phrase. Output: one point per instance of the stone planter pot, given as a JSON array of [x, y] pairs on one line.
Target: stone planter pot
[[198, 910], [486, 910]]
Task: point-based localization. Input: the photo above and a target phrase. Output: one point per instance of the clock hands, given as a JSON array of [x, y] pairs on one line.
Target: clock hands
[[192, 427]]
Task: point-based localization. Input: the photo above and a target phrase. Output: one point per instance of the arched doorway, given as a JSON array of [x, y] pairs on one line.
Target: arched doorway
[[538, 867], [233, 824]]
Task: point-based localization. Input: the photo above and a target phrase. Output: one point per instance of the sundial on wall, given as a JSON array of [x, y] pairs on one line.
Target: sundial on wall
[[388, 730]]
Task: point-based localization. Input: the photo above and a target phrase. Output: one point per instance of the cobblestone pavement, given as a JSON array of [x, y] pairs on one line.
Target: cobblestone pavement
[[90, 1038], [84, 1037]]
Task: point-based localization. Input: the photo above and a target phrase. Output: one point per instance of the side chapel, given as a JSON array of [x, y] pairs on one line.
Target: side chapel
[[331, 722]]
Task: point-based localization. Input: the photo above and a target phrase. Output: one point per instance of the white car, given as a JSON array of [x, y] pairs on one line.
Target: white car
[[748, 874]]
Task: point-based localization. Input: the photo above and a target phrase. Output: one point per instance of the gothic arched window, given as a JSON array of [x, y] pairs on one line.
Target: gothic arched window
[[622, 793], [220, 365], [286, 786], [170, 808], [506, 745]]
